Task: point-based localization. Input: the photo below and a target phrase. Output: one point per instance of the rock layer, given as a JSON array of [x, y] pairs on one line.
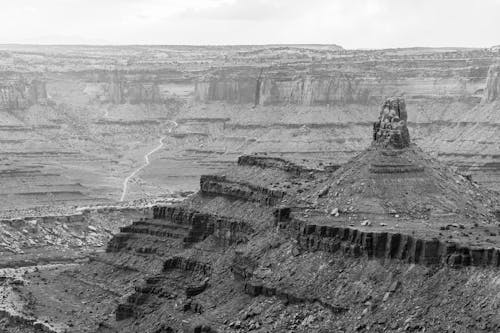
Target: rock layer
[[22, 94], [492, 90]]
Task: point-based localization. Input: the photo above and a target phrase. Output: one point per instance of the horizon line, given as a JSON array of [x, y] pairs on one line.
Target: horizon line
[[241, 45]]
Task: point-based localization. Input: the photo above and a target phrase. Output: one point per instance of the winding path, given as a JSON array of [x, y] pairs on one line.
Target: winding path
[[147, 162]]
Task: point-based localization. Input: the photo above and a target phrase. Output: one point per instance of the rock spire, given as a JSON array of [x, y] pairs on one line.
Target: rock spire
[[390, 130]]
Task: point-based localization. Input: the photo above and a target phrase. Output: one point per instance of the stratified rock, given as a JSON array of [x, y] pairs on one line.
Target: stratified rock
[[122, 91], [22, 94], [391, 130], [492, 91]]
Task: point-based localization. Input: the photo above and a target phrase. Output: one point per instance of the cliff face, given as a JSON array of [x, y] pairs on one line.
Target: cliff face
[[21, 95], [492, 90], [121, 91], [135, 88], [309, 90], [240, 91], [311, 87], [303, 90]]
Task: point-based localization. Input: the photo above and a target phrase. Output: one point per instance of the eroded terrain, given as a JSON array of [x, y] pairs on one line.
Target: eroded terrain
[[392, 240], [77, 120], [313, 233]]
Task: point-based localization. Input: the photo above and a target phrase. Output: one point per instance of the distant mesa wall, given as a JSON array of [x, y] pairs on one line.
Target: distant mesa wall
[[21, 94], [306, 90], [121, 91], [136, 88], [312, 90], [492, 90], [241, 91], [337, 87]]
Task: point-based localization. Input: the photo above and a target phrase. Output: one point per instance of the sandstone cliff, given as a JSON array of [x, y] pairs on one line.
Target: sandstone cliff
[[121, 91], [364, 82], [120, 87], [21, 94], [492, 90], [338, 88]]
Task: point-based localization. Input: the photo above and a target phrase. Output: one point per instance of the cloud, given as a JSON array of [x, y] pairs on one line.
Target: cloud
[[350, 23], [256, 10]]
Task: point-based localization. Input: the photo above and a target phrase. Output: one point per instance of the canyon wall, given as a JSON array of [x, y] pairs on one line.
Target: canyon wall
[[349, 81], [310, 90], [492, 90], [120, 87], [21, 94]]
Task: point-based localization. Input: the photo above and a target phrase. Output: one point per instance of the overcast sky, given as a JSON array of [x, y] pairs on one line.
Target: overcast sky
[[349, 23]]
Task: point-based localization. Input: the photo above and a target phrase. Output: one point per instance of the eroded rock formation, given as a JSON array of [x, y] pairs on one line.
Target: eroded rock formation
[[21, 94], [338, 82], [492, 90], [120, 90], [390, 130], [307, 90]]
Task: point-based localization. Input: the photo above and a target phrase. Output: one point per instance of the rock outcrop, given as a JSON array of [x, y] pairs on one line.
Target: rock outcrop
[[387, 245], [390, 130], [219, 185]]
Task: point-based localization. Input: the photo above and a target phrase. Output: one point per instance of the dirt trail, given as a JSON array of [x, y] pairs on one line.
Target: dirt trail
[[147, 162]]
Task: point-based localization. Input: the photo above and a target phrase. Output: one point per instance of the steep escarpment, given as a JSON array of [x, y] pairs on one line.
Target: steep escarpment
[[492, 90], [21, 94], [340, 80], [119, 92], [122, 86]]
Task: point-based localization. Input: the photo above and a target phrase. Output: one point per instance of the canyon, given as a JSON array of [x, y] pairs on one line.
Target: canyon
[[77, 119], [392, 240], [299, 221]]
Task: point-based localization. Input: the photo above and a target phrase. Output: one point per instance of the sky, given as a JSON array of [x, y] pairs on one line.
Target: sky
[[353, 24]]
